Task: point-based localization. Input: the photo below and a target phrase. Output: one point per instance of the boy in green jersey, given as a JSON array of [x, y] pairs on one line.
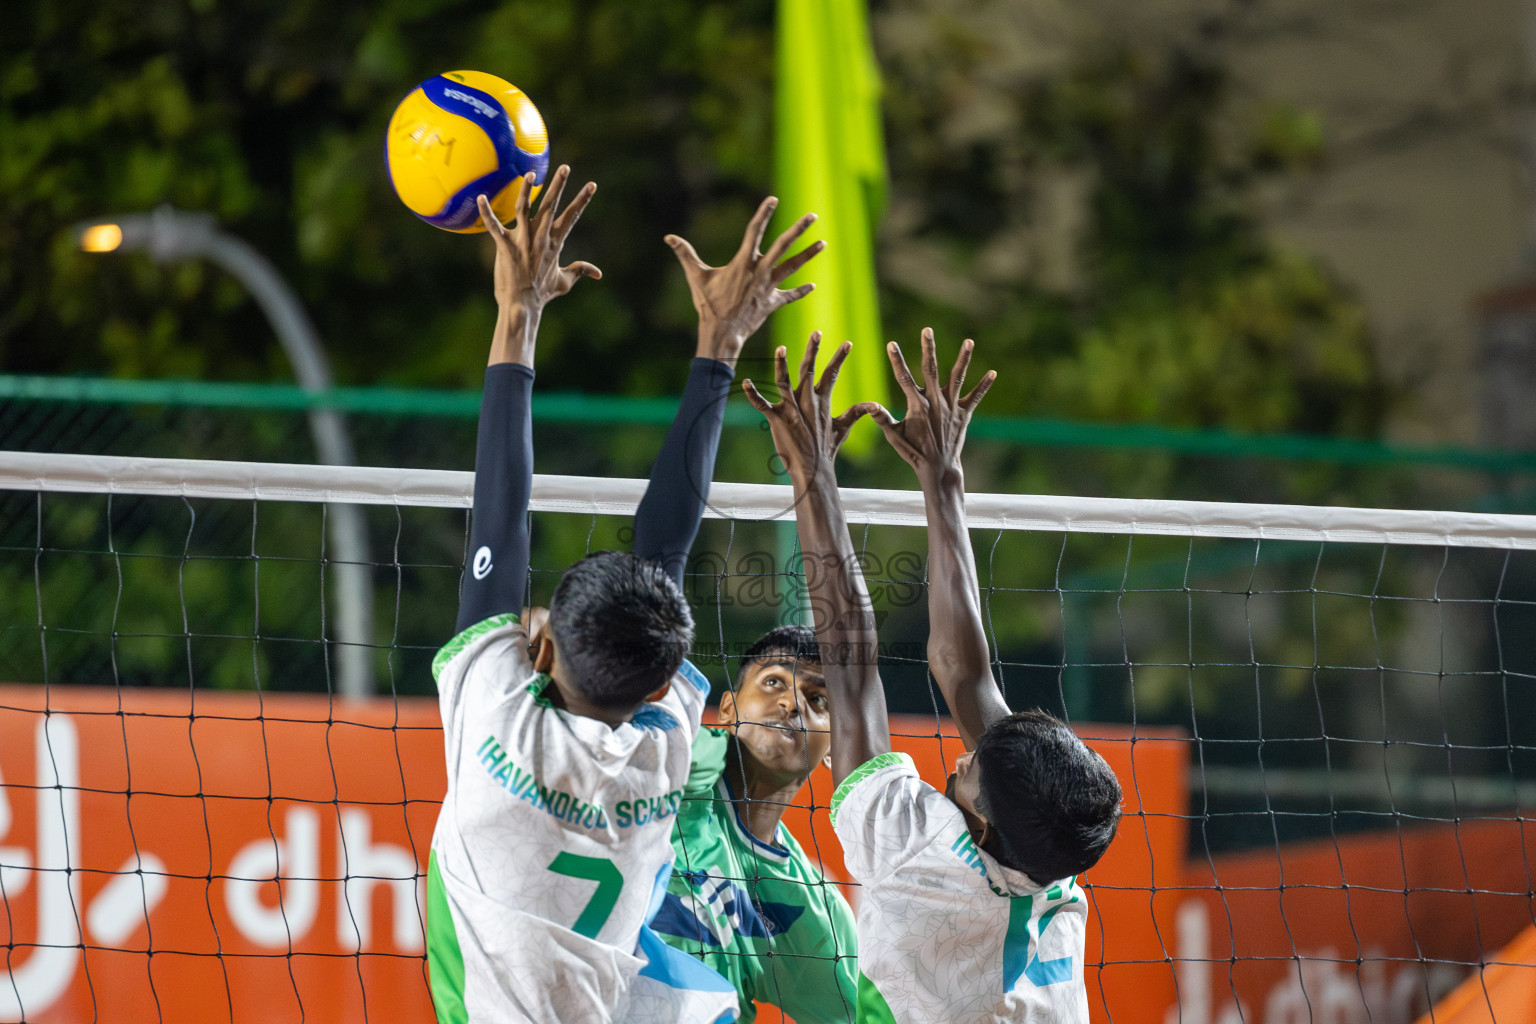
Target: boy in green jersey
[[744, 898]]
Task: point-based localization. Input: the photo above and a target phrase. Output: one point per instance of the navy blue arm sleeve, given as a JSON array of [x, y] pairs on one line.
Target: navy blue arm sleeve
[[496, 578], [669, 515]]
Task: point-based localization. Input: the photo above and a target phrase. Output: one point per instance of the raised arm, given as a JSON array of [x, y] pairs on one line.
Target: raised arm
[[930, 438], [807, 438], [732, 301], [527, 275]]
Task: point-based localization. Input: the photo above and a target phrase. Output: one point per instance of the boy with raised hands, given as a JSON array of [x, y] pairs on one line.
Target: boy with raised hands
[[969, 909], [745, 898], [567, 757]]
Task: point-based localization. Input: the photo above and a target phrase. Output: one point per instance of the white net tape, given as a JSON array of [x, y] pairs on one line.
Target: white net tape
[[599, 496]]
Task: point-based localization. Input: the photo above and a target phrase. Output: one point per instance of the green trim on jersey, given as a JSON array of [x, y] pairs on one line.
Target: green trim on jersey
[[445, 961], [863, 772], [452, 648], [541, 682], [872, 1008], [759, 913]]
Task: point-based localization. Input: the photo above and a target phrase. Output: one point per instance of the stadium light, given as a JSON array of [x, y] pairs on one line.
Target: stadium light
[[168, 234]]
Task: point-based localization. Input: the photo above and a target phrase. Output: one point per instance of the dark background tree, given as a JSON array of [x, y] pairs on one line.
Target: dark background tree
[[1176, 307]]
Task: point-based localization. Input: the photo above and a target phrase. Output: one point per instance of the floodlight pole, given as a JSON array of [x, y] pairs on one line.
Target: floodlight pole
[[168, 234]]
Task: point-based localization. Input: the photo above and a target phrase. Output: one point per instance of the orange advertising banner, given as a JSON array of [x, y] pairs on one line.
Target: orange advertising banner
[[232, 857], [1505, 990], [157, 821], [1372, 928], [238, 857]]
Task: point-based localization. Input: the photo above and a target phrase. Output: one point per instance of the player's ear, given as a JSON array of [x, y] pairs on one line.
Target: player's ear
[[665, 688], [727, 713], [827, 761], [544, 652]]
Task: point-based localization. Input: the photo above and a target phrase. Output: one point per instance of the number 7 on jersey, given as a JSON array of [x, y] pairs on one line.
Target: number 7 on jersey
[[609, 884]]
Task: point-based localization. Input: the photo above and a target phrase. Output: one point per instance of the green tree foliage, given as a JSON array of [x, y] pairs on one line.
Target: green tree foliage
[[274, 118], [1165, 299], [1170, 304]]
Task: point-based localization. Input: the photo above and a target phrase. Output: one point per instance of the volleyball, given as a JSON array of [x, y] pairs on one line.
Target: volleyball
[[459, 135]]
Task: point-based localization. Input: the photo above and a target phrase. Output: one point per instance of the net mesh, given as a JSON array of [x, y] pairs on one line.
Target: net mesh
[[1326, 736]]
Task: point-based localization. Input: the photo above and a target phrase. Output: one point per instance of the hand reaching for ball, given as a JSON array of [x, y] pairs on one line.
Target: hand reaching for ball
[[528, 272], [528, 267]]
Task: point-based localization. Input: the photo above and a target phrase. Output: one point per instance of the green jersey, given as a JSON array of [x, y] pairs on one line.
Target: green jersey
[[759, 913]]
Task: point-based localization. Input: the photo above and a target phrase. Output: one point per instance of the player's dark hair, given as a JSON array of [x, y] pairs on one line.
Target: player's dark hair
[[622, 625], [790, 642], [1054, 803]]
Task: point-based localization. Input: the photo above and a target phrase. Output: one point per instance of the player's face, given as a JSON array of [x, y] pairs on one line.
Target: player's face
[[781, 714], [964, 786]]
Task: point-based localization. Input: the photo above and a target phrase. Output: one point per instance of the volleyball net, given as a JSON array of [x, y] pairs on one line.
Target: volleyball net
[[220, 760]]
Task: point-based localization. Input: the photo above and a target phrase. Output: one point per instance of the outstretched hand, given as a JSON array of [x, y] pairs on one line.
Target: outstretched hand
[[528, 267], [734, 300], [805, 433], [932, 434], [528, 272]]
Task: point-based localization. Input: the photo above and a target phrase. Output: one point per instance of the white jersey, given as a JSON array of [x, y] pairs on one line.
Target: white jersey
[[945, 932], [554, 848]]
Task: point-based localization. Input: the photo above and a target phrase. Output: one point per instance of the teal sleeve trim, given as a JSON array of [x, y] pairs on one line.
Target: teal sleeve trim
[[454, 647], [695, 678], [863, 772]]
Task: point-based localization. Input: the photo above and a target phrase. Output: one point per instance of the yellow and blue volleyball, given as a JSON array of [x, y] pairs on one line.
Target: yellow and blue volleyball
[[460, 135]]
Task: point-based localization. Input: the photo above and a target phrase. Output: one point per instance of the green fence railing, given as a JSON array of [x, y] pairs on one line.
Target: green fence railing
[[612, 410]]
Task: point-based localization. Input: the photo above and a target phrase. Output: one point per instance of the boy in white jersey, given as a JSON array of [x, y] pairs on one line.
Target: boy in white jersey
[[969, 910], [567, 759]]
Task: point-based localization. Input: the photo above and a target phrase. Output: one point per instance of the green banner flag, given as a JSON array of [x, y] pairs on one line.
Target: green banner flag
[[829, 159]]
